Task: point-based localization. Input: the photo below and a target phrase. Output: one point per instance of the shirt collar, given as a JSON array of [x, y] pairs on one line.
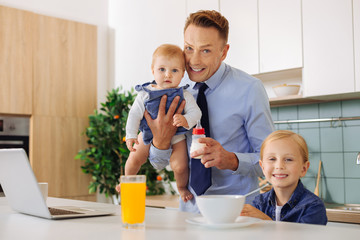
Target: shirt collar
[[215, 79], [294, 199]]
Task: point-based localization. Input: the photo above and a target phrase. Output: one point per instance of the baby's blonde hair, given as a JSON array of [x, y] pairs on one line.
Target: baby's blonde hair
[[281, 134], [169, 50]]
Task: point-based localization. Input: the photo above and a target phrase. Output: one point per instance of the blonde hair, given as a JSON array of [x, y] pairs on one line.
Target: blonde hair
[[170, 51], [281, 134]]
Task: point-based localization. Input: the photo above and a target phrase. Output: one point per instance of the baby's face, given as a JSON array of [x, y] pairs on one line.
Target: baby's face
[[283, 164], [168, 71]]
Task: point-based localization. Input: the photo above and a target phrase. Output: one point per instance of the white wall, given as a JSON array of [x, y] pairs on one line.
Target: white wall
[[136, 29], [93, 12]]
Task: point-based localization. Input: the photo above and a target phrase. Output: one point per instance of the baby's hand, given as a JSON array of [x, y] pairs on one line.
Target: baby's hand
[[130, 144], [180, 121], [118, 189], [251, 211]]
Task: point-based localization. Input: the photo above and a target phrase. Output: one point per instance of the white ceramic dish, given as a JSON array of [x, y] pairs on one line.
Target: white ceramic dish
[[286, 90], [240, 221], [219, 209]]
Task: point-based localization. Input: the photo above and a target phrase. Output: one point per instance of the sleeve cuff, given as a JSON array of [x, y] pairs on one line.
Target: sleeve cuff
[[158, 158]]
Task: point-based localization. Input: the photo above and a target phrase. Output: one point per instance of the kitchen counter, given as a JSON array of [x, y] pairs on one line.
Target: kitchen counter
[[160, 224], [333, 212], [163, 201], [346, 213]]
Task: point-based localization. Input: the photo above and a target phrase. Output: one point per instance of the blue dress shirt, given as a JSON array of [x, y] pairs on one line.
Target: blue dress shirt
[[240, 119], [303, 206]]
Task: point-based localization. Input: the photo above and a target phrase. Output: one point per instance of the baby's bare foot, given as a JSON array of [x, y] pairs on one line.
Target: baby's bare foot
[[185, 194]]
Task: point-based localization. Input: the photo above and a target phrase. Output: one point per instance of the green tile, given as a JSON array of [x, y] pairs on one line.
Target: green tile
[[352, 170], [329, 110], [314, 165], [309, 183], [351, 138], [310, 111], [312, 138], [351, 108], [274, 113], [332, 190], [352, 193], [332, 165], [331, 140], [288, 113]]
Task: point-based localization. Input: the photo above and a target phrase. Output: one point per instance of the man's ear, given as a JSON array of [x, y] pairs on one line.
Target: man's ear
[[225, 51]]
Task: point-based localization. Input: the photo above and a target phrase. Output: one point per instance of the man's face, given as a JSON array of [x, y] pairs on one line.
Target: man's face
[[204, 52]]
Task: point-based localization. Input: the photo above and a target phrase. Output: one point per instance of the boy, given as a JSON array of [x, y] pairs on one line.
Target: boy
[[168, 67], [284, 160]]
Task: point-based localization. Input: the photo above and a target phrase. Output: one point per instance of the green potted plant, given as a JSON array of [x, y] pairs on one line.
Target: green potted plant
[[106, 154]]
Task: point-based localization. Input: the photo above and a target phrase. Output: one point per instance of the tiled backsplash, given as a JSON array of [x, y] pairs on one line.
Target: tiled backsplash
[[336, 143]]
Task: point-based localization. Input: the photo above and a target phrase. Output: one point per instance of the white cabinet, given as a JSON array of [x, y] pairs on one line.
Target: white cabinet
[[356, 12], [243, 34], [139, 27], [196, 5], [328, 47], [265, 35], [280, 40]]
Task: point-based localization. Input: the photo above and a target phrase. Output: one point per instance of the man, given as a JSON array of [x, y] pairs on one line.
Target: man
[[238, 109]]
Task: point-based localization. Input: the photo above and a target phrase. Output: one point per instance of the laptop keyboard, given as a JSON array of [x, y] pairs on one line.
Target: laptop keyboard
[[56, 211]]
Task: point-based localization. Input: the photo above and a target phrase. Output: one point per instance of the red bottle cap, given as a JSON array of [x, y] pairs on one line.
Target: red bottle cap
[[198, 131]]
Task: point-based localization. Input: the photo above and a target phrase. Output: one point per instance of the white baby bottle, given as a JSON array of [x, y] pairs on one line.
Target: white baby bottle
[[198, 132]]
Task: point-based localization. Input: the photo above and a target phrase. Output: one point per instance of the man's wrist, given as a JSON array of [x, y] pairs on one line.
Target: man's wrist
[[234, 162], [161, 145]]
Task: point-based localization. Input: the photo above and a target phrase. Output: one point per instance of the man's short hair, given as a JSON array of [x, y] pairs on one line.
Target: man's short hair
[[207, 19]]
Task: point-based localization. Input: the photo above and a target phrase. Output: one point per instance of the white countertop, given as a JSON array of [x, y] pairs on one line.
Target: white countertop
[[160, 224]]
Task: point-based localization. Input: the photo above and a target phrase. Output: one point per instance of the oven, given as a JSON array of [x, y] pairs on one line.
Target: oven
[[14, 133]]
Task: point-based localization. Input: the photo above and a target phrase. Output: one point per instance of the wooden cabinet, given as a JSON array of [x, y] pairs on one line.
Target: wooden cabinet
[[280, 39], [65, 83], [243, 34], [48, 69], [356, 22], [15, 61], [328, 47], [65, 70]]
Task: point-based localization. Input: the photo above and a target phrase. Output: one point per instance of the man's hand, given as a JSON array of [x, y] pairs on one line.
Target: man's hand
[[162, 127], [214, 155]]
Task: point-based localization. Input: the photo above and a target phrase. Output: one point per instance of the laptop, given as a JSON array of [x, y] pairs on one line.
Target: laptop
[[23, 193]]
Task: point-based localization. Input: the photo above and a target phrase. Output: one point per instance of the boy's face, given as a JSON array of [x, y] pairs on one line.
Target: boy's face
[[283, 164], [168, 71], [204, 51]]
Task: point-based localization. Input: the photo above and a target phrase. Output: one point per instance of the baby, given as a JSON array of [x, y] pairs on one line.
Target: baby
[[284, 160], [168, 67]]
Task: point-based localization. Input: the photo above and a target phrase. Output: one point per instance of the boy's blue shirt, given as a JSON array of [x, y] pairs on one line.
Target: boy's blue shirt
[[302, 207]]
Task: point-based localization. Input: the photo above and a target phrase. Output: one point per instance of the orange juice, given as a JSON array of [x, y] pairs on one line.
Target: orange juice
[[133, 202]]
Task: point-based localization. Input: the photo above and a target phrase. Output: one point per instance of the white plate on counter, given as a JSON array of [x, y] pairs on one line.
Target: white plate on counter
[[240, 221]]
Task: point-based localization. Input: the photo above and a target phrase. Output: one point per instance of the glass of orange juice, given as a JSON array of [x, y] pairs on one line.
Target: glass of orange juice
[[133, 192]]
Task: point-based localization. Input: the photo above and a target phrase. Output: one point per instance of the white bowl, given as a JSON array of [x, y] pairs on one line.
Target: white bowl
[[220, 208], [286, 90]]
